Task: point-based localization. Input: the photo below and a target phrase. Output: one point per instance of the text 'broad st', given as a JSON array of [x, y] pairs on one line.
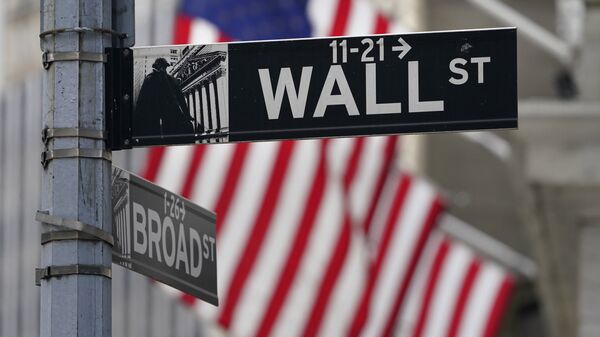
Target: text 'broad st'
[[164, 236]]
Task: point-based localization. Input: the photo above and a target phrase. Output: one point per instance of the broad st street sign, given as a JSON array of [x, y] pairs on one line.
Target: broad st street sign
[[306, 88], [164, 236]]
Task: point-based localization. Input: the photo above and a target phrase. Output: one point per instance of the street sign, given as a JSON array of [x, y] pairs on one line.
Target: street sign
[[323, 87], [164, 236]]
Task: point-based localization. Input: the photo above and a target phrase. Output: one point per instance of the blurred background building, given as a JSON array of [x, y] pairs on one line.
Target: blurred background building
[[532, 194]]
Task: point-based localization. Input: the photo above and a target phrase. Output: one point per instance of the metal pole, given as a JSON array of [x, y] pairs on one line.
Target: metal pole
[[570, 21], [488, 246], [76, 187], [3, 29]]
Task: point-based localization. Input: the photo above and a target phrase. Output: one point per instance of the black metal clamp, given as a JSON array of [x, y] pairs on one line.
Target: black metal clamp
[[48, 57], [50, 155], [73, 269], [75, 230], [50, 133]]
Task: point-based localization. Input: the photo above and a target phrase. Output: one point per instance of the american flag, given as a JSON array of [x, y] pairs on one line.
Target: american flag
[[323, 237]]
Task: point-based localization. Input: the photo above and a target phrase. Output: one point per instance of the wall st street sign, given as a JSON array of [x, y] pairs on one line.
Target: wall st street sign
[[164, 236], [324, 87]]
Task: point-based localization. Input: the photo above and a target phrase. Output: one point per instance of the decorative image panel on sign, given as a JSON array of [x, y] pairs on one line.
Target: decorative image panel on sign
[[180, 94], [324, 87], [164, 236]]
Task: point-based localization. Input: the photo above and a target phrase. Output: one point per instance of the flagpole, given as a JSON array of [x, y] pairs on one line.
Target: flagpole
[[75, 273]]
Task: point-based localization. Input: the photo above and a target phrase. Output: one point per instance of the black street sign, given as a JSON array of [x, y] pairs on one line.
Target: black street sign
[[324, 87], [164, 236]]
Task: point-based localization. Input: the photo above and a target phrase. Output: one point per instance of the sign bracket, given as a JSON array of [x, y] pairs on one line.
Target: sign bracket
[[77, 230], [82, 230], [123, 21], [119, 97], [67, 235]]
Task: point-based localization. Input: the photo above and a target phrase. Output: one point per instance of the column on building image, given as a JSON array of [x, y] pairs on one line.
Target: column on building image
[[207, 104], [205, 115], [191, 107], [199, 125], [205, 89], [192, 98], [214, 106], [221, 84]]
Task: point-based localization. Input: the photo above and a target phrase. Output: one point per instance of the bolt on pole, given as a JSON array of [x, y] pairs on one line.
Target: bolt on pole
[[75, 274]]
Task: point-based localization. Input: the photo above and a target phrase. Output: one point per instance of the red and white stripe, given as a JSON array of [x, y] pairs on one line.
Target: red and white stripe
[[454, 293], [314, 238]]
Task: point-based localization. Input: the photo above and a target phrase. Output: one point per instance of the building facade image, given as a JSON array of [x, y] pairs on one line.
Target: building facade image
[[202, 72]]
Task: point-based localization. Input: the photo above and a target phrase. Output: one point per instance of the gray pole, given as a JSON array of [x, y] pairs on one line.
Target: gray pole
[[76, 188]]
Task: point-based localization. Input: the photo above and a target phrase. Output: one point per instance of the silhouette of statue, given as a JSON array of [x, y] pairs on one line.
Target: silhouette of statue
[[161, 108]]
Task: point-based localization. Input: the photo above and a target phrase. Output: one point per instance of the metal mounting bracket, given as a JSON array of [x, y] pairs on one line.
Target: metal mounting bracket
[[48, 57], [49, 155], [49, 133], [74, 269], [123, 20], [82, 30], [84, 231], [66, 235], [119, 97]]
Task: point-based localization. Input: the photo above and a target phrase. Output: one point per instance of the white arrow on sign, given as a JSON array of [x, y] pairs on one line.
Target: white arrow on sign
[[404, 48]]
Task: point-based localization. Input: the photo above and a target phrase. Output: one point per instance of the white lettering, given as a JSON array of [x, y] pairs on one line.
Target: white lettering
[[206, 252], [480, 63], [169, 257], [285, 84], [139, 229], [154, 236], [458, 71], [212, 248], [414, 104], [182, 255], [374, 108], [336, 75], [158, 239], [195, 259]]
